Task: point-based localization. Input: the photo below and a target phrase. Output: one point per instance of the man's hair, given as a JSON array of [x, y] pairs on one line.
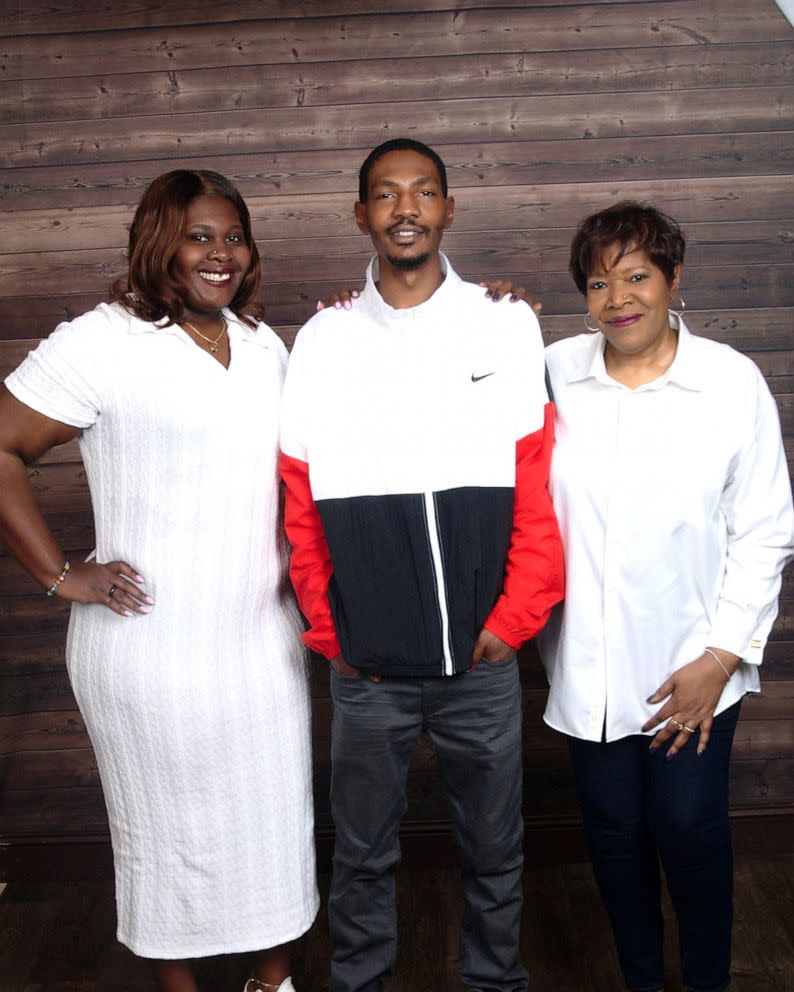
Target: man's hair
[[631, 226], [150, 290], [399, 145]]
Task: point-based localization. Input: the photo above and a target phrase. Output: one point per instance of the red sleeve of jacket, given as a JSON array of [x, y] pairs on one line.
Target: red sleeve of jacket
[[310, 567], [534, 572]]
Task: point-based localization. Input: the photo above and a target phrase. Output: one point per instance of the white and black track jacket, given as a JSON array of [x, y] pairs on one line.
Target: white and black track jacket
[[415, 450]]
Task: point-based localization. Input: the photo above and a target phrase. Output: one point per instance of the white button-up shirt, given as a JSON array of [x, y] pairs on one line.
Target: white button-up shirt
[[674, 504]]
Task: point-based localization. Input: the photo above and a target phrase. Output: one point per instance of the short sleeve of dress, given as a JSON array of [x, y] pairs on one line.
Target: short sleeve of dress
[[63, 378]]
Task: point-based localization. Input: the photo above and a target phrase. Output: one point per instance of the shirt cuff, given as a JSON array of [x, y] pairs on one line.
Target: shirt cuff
[[734, 631]]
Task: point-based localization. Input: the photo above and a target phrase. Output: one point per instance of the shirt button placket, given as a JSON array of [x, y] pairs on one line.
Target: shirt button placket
[[612, 547]]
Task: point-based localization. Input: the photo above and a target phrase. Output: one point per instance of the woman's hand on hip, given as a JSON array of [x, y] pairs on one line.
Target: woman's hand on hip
[[115, 584], [693, 692]]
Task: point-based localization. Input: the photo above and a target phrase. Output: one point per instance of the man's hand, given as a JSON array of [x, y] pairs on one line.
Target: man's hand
[[492, 648], [341, 667]]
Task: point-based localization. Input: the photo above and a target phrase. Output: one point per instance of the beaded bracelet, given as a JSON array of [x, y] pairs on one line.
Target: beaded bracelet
[[59, 580], [716, 658]]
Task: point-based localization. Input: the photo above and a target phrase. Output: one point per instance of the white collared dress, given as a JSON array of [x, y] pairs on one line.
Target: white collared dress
[[199, 712]]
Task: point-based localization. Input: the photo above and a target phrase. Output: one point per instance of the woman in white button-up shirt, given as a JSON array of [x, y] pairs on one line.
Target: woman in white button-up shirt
[[670, 485]]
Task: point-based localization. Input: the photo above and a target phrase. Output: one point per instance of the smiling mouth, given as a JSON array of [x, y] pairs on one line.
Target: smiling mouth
[[405, 235], [624, 321], [216, 278]]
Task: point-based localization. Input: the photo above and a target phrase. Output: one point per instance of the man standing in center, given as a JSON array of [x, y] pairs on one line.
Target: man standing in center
[[416, 439]]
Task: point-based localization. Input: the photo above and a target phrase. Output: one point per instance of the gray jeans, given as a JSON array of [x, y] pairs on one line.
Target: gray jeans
[[474, 721]]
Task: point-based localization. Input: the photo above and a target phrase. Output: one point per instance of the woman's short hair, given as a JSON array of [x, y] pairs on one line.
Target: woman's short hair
[[632, 226], [150, 290]]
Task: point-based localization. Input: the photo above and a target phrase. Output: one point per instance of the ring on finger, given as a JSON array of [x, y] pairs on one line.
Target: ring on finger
[[676, 724], [111, 591], [689, 730]]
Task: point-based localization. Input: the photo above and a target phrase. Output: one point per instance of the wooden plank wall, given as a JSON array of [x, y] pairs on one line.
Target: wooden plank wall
[[543, 111]]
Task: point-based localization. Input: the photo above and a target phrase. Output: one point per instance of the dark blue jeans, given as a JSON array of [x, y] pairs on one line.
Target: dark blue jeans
[[639, 808], [474, 721]]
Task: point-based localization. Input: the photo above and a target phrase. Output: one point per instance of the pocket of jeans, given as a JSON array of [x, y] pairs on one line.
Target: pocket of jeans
[[497, 665]]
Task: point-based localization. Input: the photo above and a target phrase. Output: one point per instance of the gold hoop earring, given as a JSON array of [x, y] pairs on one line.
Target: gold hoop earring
[[589, 328]]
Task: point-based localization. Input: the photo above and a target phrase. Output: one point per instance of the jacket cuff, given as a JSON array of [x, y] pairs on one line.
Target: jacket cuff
[[328, 647], [503, 633]]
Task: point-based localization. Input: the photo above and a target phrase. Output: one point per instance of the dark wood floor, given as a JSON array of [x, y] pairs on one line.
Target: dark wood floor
[[59, 938]]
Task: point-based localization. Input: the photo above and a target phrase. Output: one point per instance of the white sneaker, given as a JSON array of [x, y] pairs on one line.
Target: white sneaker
[[254, 985]]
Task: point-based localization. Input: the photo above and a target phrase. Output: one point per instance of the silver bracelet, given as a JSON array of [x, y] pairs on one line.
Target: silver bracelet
[[714, 656]]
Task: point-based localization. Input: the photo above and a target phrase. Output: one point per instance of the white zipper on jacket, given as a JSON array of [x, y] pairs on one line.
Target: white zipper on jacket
[[441, 589]]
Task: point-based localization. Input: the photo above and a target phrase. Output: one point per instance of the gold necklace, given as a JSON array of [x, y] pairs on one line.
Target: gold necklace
[[212, 342]]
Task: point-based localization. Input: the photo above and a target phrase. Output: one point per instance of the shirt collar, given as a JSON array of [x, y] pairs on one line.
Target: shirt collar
[[589, 363], [237, 330], [685, 370], [380, 308]]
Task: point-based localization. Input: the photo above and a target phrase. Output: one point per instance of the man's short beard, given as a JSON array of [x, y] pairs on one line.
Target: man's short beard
[[409, 264]]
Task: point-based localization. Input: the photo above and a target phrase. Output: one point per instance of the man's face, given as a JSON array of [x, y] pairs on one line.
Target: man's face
[[405, 212]]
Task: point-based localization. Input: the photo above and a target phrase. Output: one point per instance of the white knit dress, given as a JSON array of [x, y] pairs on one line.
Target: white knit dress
[[198, 712]]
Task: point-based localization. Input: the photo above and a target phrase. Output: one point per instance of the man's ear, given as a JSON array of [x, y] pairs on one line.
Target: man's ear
[[449, 215], [360, 211]]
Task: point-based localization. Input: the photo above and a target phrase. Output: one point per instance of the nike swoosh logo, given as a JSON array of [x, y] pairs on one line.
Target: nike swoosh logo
[[477, 378]]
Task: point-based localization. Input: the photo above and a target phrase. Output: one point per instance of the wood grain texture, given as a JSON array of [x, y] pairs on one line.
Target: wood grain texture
[[43, 691], [35, 17], [490, 163], [453, 77], [37, 654], [712, 111], [390, 33], [41, 731]]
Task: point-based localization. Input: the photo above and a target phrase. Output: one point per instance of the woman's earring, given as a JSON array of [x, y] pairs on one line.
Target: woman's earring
[[589, 328], [681, 307]]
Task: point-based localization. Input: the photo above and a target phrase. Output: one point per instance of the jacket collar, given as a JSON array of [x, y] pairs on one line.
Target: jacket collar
[[380, 309]]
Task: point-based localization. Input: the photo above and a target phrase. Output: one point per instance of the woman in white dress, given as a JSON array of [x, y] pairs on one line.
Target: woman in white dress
[[183, 651]]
